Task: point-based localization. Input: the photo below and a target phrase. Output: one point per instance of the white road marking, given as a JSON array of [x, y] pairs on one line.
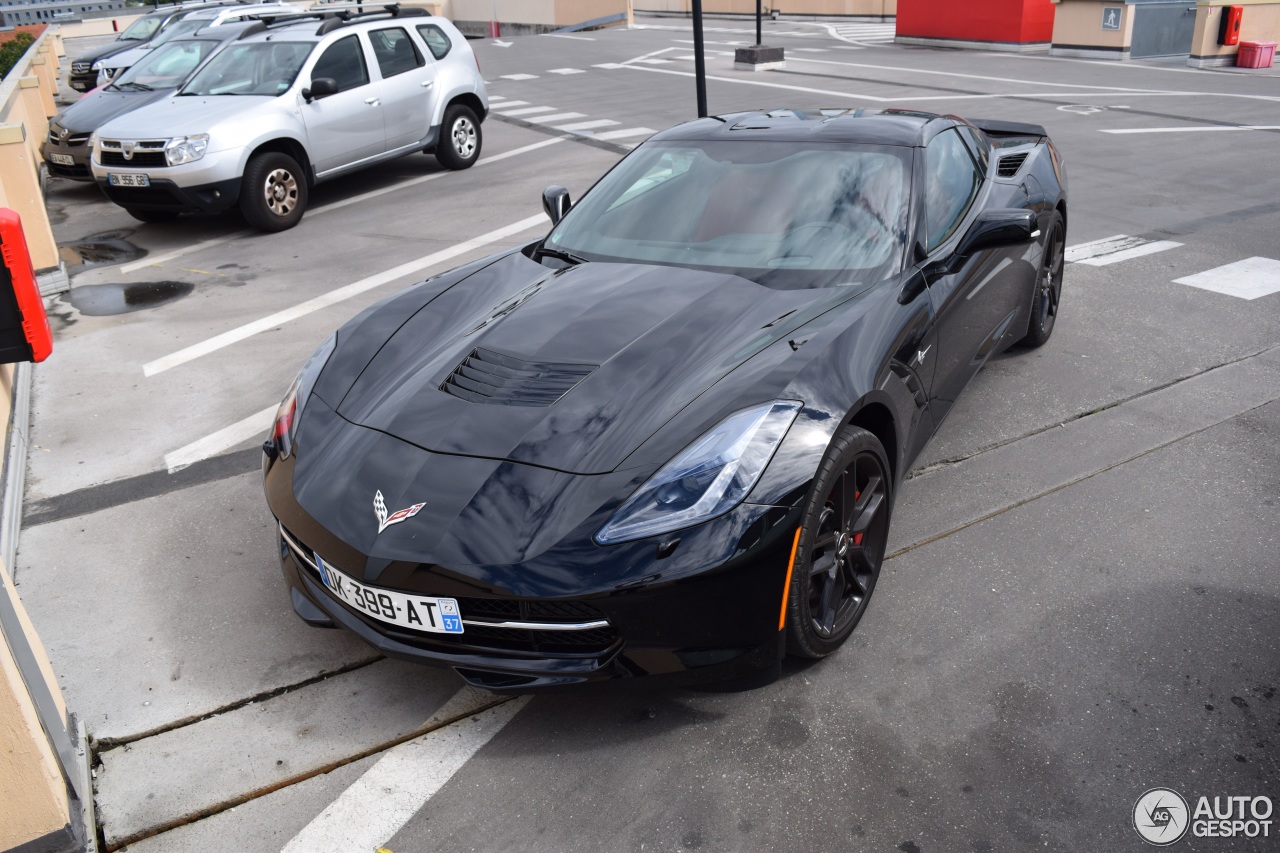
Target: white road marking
[[157, 260], [525, 111], [505, 105], [763, 84], [902, 69], [623, 134], [254, 425], [1251, 278], [587, 125], [556, 117], [657, 52], [341, 294], [519, 76], [1113, 250], [567, 36], [373, 810], [653, 60], [1194, 129], [610, 66], [566, 71]]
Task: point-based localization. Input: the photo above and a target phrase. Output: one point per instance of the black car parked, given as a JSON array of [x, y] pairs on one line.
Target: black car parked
[[666, 439]]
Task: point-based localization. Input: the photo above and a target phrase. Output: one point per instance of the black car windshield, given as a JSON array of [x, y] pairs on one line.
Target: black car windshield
[[142, 29], [166, 66], [177, 29], [257, 68], [784, 214]]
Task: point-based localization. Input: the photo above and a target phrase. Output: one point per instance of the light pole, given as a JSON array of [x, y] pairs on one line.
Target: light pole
[[699, 60]]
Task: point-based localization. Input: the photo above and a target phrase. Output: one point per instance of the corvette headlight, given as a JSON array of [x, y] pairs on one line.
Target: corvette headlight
[[709, 477], [186, 149], [285, 431]]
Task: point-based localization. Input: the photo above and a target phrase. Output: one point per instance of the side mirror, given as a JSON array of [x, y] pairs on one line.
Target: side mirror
[[321, 87], [997, 229], [555, 201]]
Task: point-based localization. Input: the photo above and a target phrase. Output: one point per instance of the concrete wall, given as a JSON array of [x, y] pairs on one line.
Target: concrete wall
[[521, 16], [26, 105], [1261, 22]]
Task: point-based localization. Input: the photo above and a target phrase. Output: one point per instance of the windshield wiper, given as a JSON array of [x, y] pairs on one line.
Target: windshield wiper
[[560, 255], [141, 87]]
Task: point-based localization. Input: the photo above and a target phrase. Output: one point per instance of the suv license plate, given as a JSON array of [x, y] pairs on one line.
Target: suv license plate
[[62, 159], [416, 612], [127, 180]]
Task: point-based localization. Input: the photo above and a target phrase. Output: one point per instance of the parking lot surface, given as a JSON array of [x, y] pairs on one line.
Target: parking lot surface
[[1081, 602]]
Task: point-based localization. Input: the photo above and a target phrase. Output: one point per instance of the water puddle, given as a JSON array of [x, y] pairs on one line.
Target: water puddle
[[101, 300], [99, 250]]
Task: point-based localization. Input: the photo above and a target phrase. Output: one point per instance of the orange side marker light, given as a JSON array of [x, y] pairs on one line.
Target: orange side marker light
[[786, 588]]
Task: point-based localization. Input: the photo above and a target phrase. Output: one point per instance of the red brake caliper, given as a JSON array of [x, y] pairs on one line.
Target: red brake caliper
[[857, 537]]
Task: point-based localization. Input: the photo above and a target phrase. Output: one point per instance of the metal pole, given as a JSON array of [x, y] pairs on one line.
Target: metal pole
[[759, 14], [699, 59]]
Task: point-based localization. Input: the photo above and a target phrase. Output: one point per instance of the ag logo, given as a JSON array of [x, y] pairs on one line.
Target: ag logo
[[1160, 816]]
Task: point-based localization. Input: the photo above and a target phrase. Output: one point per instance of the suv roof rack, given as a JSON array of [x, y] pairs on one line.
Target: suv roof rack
[[343, 18], [275, 22]]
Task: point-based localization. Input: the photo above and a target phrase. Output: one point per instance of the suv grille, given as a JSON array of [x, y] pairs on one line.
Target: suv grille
[[486, 376], [141, 159], [81, 67]]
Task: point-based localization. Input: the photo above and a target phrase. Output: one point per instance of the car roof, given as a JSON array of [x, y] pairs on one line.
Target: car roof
[[315, 25], [846, 125], [239, 10]]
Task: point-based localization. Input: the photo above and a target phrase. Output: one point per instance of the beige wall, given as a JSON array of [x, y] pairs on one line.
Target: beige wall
[[32, 791], [26, 105], [1261, 22], [785, 7], [1079, 23]]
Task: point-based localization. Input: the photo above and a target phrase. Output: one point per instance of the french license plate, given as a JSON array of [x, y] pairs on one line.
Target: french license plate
[[63, 159], [124, 179], [417, 612]]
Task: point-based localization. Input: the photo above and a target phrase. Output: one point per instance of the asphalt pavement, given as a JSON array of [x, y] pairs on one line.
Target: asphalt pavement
[[1081, 599]]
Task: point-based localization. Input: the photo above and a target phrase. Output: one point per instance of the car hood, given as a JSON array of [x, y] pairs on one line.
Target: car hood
[[127, 58], [626, 345], [109, 49], [181, 115], [101, 106]]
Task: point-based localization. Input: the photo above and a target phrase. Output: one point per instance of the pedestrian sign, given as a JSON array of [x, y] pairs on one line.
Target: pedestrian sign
[[1111, 17]]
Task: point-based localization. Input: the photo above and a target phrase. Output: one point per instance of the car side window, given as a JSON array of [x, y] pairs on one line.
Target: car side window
[[437, 40], [344, 62], [951, 183], [395, 51]]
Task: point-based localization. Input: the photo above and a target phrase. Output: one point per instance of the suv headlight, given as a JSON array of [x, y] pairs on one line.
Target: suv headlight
[[708, 478], [186, 149]]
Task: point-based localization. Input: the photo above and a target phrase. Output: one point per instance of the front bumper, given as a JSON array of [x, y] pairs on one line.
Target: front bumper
[[79, 170], [705, 612], [209, 185], [83, 82]]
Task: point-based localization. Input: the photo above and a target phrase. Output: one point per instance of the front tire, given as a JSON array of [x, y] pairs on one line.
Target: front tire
[[1044, 304], [460, 139], [843, 534], [273, 192]]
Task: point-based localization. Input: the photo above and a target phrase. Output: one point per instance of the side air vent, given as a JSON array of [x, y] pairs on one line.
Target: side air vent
[[1010, 164], [486, 376]]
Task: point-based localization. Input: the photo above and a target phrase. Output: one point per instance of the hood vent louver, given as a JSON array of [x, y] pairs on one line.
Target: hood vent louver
[[485, 376], [1010, 164]]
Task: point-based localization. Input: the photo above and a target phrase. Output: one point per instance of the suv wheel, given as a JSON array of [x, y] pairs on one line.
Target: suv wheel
[[460, 139], [273, 192]]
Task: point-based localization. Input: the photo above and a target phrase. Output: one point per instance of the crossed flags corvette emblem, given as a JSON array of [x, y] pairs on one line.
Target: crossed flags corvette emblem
[[384, 520]]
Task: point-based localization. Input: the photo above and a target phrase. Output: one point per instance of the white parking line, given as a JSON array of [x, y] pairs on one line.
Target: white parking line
[[587, 125], [1194, 129], [254, 425], [372, 811], [519, 76], [505, 104], [157, 260], [566, 71], [556, 117], [341, 294], [1251, 278], [1113, 250], [524, 111], [623, 134]]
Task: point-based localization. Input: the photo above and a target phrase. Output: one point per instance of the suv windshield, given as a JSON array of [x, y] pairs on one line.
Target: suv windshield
[[184, 27], [141, 29], [783, 214], [258, 68], [166, 66]]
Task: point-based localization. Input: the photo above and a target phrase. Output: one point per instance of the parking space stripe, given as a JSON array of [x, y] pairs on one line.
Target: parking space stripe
[[372, 811], [1128, 130], [623, 134], [587, 125], [341, 294], [255, 425], [1113, 250], [524, 111], [556, 117], [157, 260], [1251, 278], [505, 104]]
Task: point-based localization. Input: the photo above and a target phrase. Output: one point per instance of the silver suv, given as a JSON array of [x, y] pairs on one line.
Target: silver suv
[[292, 103]]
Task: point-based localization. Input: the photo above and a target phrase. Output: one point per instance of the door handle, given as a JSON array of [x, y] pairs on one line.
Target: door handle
[[427, 84], [373, 102]]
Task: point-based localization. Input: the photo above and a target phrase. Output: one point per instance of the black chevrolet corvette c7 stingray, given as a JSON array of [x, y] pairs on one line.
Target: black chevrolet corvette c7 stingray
[[666, 438]]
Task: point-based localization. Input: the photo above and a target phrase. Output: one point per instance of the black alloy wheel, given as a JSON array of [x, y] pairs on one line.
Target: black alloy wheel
[[842, 544], [1044, 304]]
